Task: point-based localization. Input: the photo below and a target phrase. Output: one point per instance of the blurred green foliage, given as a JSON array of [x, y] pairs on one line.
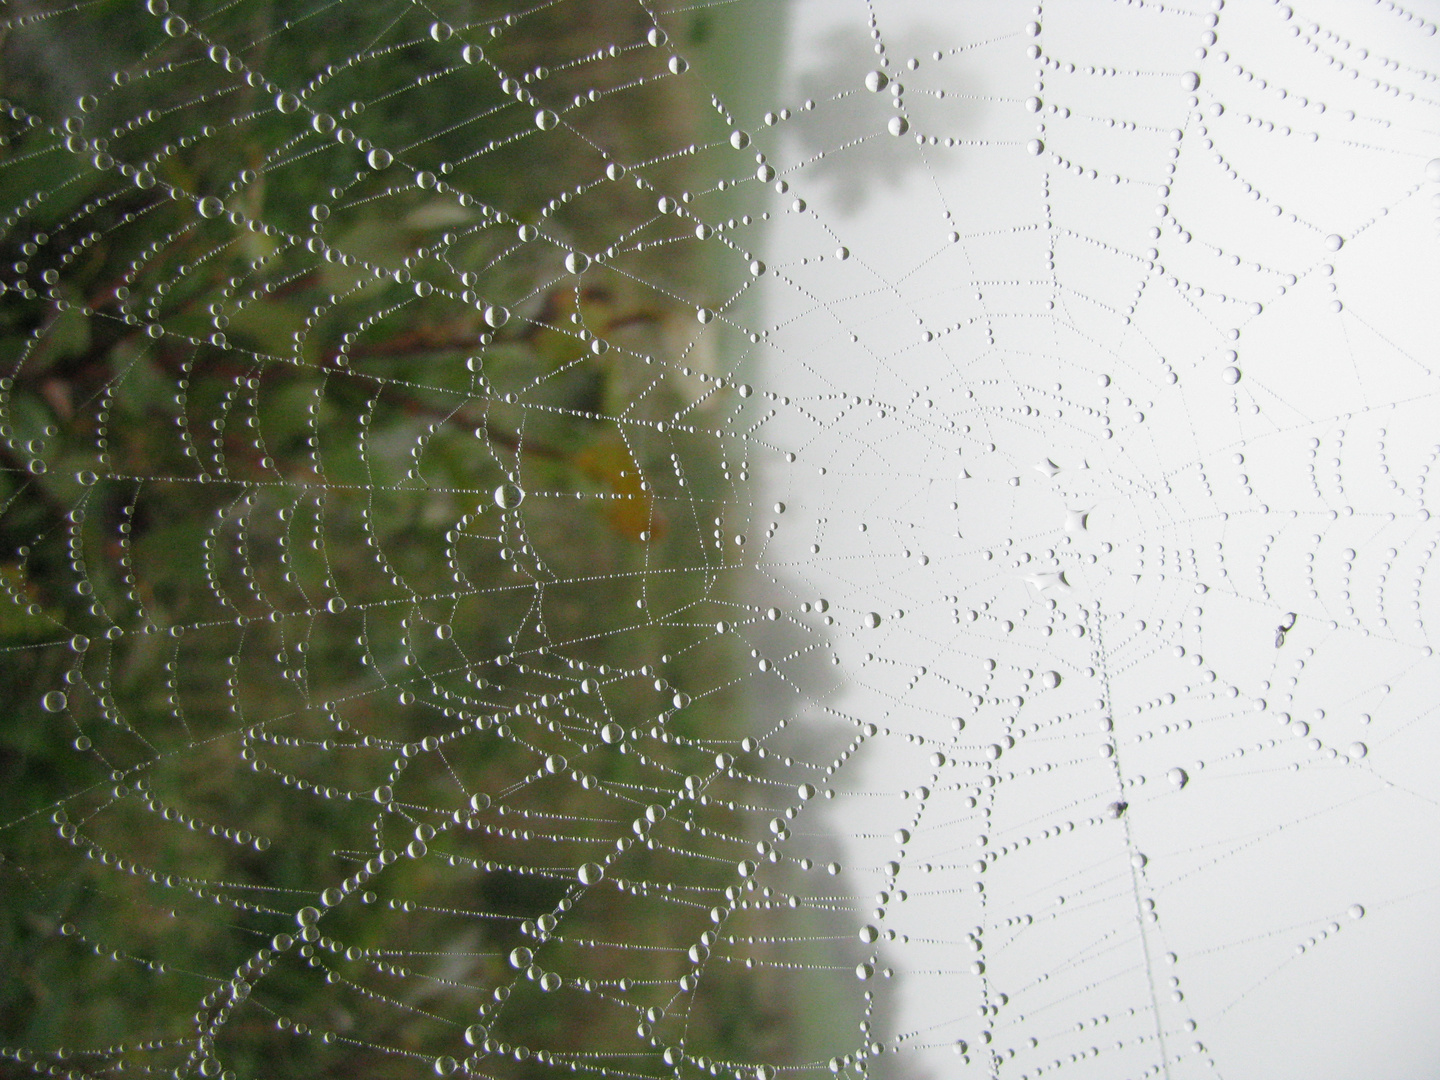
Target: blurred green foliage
[[248, 529]]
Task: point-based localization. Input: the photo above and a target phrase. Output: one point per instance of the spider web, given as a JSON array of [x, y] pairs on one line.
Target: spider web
[[736, 540]]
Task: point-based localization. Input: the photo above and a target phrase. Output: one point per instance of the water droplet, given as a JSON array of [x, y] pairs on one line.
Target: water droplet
[[472, 54], [440, 31], [210, 207], [1035, 146], [1334, 242], [871, 620], [577, 262], [335, 605], [521, 958], [704, 315], [876, 81], [496, 316], [678, 65], [475, 1034], [612, 734], [590, 873], [54, 701], [332, 896], [739, 140], [1231, 375], [545, 119], [869, 934], [508, 496], [1190, 81], [286, 102], [898, 126], [806, 791], [1178, 777], [1432, 170], [864, 971], [1357, 750], [1356, 911], [656, 37], [379, 159], [307, 916], [550, 982], [1050, 679]]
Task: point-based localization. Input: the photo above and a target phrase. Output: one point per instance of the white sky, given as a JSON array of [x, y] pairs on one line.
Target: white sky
[[1270, 842]]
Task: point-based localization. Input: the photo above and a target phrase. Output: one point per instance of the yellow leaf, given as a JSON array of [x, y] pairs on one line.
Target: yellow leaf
[[632, 511]]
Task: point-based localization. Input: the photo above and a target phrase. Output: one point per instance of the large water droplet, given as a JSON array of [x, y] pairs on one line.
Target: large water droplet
[[871, 620], [1357, 750], [509, 496], [1334, 242], [1231, 375], [876, 81], [1178, 777], [577, 262], [521, 958], [307, 916], [1190, 81], [286, 102], [590, 873], [496, 316], [210, 207], [54, 701], [545, 119], [1432, 170], [379, 159], [898, 126]]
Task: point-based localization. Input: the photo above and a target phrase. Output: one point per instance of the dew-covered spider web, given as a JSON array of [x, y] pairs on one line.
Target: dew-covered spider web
[[740, 539]]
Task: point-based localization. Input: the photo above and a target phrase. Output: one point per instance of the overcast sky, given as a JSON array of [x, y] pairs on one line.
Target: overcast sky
[[1139, 417]]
